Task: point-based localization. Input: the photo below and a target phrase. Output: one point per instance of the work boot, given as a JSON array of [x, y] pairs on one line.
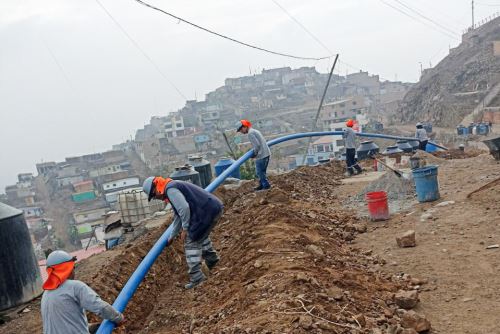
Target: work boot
[[258, 188], [212, 264], [192, 284]]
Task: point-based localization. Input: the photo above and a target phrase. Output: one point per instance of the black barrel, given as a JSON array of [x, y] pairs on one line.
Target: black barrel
[[366, 149], [415, 144], [203, 167], [404, 146], [186, 173], [20, 279], [390, 150]]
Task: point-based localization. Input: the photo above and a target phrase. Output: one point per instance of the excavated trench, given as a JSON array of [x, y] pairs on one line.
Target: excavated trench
[[287, 265]]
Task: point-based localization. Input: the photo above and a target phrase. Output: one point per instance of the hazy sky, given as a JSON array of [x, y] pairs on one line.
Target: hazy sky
[[72, 83]]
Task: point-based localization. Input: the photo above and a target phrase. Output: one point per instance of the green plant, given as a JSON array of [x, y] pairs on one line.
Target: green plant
[[247, 170]]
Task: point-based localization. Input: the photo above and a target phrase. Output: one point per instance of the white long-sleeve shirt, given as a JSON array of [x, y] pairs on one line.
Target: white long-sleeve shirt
[[182, 213], [260, 148], [421, 134], [63, 309]]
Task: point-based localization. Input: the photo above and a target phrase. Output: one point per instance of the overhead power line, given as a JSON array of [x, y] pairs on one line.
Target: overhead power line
[[227, 37], [303, 27], [138, 47], [425, 17], [347, 65], [417, 19]]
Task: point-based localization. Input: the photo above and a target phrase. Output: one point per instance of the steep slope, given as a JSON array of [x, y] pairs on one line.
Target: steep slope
[[450, 91]]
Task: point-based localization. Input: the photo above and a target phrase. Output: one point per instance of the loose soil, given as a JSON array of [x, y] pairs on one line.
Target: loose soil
[[298, 248], [284, 252]]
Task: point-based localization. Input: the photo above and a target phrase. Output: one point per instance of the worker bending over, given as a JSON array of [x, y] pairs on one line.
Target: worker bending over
[[261, 152], [196, 212], [65, 299], [421, 135], [350, 149]]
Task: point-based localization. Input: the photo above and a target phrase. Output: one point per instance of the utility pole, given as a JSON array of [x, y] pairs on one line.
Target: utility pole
[[421, 68], [472, 14]]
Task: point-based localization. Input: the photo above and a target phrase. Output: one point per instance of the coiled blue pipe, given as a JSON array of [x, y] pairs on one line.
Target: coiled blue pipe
[[165, 239]]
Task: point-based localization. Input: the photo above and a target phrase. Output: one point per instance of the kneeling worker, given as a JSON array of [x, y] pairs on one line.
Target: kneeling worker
[[261, 152], [65, 299], [350, 149], [196, 213]]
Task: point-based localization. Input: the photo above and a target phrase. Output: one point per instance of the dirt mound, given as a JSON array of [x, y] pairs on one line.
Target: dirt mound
[[397, 188], [286, 266], [458, 154]]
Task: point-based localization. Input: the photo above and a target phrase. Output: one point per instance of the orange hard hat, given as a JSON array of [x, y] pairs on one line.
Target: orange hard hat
[[243, 123], [349, 123]]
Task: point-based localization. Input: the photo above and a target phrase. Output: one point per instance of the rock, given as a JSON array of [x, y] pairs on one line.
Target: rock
[[263, 201], [305, 321], [445, 203], [360, 319], [336, 293], [412, 319], [406, 299], [301, 277], [315, 250], [465, 300], [257, 264], [311, 215], [407, 239], [425, 216], [26, 310], [360, 228]]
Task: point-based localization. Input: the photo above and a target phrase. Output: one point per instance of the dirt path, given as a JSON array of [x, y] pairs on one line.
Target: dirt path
[[463, 294]]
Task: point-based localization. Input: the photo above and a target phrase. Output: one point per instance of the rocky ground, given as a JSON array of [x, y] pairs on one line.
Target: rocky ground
[[297, 259]]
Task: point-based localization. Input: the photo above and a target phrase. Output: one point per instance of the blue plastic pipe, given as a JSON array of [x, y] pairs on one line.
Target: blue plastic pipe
[[140, 272]]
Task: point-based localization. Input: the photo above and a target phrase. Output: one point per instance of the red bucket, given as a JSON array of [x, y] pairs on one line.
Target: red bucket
[[377, 205]]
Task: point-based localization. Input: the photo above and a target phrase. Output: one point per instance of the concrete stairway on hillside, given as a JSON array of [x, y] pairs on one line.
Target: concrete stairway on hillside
[[484, 103]]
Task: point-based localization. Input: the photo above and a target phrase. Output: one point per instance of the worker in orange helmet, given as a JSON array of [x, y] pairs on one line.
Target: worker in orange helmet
[[261, 152], [350, 149]]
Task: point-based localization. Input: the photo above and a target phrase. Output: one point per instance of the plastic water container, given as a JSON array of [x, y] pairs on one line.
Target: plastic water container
[[430, 148], [377, 205], [224, 164], [426, 183]]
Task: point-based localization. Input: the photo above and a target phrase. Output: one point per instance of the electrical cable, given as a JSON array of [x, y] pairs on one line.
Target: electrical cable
[[424, 16], [141, 50], [317, 39], [227, 37], [416, 19]]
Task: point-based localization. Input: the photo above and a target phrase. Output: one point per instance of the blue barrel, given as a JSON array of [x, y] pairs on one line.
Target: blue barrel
[[426, 183], [430, 148], [224, 164]]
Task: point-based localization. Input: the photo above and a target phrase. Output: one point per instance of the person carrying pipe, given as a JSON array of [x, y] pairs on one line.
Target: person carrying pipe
[[421, 135], [261, 152], [350, 149], [65, 299], [196, 212]]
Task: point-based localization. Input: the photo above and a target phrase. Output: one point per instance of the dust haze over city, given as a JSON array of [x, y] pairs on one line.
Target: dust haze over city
[[73, 83]]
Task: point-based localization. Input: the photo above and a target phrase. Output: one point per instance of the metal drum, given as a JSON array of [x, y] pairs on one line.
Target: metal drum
[[404, 146], [366, 149], [203, 167], [186, 173], [20, 279]]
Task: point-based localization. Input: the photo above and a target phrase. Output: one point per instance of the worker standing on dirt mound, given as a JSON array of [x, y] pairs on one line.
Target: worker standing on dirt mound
[[65, 299], [261, 152], [196, 213], [350, 149], [421, 135]]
